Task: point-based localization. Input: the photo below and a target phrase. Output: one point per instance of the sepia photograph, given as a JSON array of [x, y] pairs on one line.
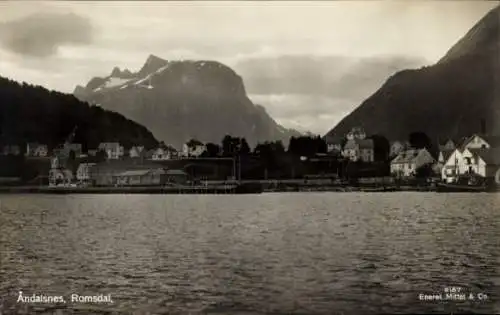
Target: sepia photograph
[[250, 157]]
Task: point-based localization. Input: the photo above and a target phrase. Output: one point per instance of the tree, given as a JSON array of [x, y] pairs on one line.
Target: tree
[[307, 146], [101, 155], [381, 148], [211, 150], [232, 146], [244, 148], [227, 146], [420, 140], [193, 143], [424, 171], [269, 152]]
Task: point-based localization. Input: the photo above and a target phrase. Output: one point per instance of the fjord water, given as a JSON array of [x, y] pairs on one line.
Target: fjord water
[[298, 253]]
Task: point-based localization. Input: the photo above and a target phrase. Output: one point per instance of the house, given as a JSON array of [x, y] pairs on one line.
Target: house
[[448, 146], [176, 177], [333, 144], [150, 177], [162, 153], [359, 150], [11, 149], [442, 158], [60, 176], [103, 173], [35, 149], [140, 177], [135, 151], [481, 142], [397, 147], [356, 133], [193, 148], [113, 150], [406, 163], [83, 173], [483, 162]]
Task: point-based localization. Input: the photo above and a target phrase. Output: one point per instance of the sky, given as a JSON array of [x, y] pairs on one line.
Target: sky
[[308, 63]]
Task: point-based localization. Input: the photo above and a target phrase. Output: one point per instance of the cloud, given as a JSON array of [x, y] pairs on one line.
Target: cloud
[[314, 93], [338, 76], [312, 113], [41, 34]]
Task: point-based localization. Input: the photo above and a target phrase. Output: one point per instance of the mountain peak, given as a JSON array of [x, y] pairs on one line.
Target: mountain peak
[[152, 63], [449, 99], [116, 72], [481, 39]]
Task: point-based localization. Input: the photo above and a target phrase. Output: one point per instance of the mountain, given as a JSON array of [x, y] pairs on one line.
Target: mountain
[[180, 100], [446, 100], [34, 114]]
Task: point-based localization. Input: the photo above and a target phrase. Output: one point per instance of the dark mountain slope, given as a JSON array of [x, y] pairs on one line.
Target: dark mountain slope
[[180, 100], [446, 100], [34, 114]]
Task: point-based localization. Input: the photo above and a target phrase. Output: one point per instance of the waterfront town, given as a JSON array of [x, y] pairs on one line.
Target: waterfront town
[[353, 159]]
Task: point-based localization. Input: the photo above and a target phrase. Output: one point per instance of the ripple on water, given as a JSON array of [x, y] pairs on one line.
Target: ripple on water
[[283, 253]]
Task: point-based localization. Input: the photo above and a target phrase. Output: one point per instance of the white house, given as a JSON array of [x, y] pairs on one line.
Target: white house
[[359, 149], [406, 163], [397, 147], [161, 154], [135, 151], [193, 149], [83, 172], [448, 146], [483, 162], [333, 144], [113, 149], [481, 142], [60, 176], [356, 133]]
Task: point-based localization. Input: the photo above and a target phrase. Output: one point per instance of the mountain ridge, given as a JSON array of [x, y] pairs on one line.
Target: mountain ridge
[[179, 100], [30, 113], [446, 100]]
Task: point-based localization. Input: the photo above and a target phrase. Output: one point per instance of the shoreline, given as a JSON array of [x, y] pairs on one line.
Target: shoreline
[[228, 189]]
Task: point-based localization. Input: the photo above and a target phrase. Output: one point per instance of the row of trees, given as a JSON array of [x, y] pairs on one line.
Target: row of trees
[[304, 146]]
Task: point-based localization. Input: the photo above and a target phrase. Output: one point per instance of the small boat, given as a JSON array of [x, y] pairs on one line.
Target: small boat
[[469, 183], [443, 187]]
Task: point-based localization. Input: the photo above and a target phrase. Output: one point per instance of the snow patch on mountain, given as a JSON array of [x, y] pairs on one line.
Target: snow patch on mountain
[[115, 82], [143, 80]]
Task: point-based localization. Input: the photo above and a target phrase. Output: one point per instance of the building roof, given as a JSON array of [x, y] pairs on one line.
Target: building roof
[[176, 172], [446, 154], [407, 156], [489, 156], [141, 172], [359, 143], [493, 141]]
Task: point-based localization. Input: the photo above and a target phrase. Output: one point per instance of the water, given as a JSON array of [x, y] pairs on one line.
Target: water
[[298, 253]]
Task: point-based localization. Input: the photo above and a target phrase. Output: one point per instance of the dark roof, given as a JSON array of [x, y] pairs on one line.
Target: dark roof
[[489, 156], [493, 141], [176, 172], [446, 154], [141, 172], [406, 156]]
